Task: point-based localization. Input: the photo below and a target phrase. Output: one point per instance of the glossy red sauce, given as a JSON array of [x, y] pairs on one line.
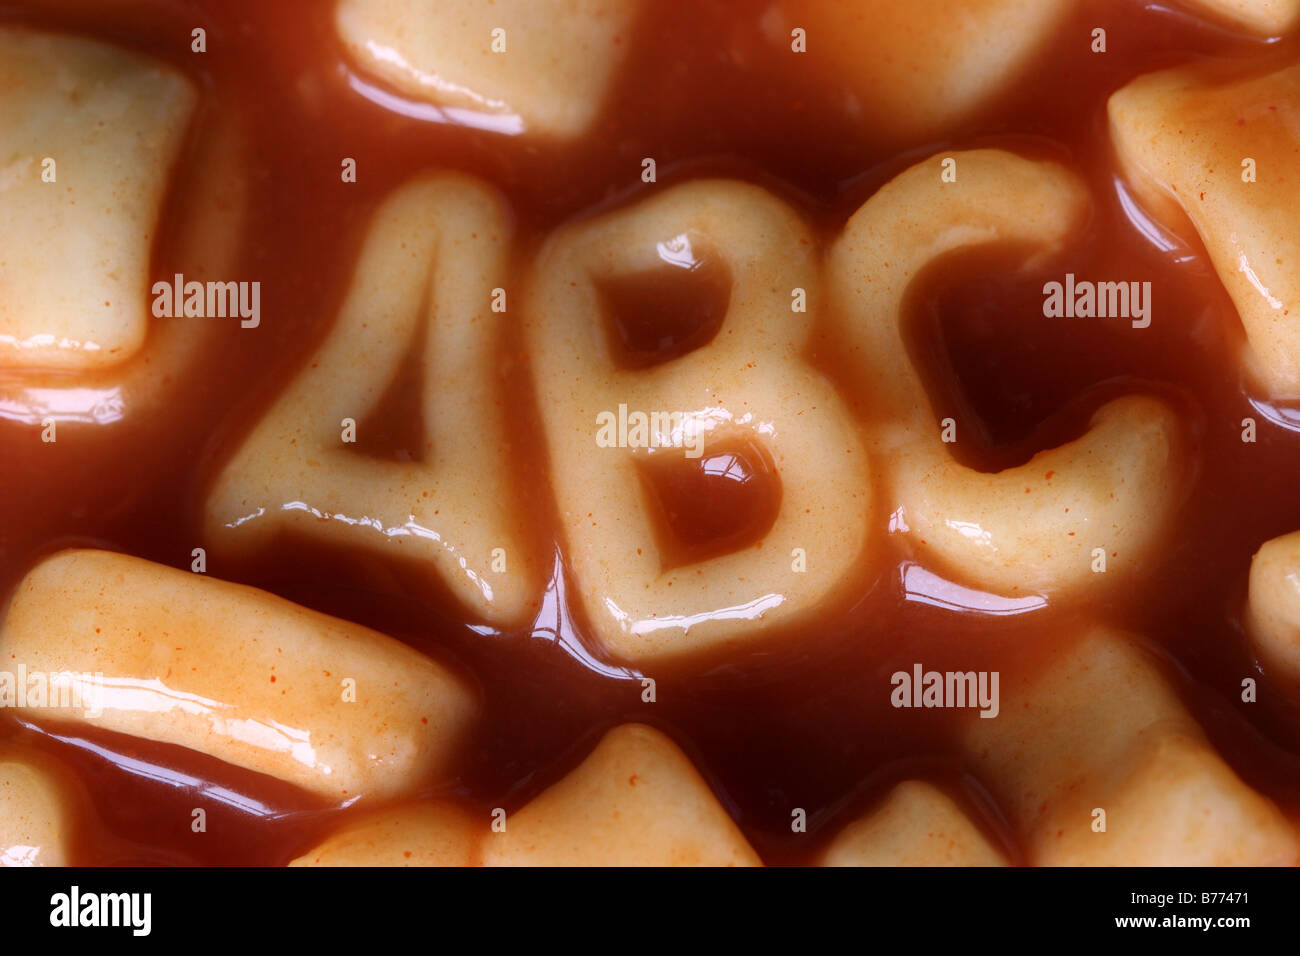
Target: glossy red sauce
[[801, 720]]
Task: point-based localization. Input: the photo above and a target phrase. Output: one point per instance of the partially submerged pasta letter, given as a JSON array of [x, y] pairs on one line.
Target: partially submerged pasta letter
[[89, 135], [1222, 157], [235, 673], [1266, 18], [427, 833], [920, 68], [35, 814], [917, 824], [1273, 605], [516, 66], [1096, 762], [635, 801], [1030, 528], [730, 401], [434, 259]]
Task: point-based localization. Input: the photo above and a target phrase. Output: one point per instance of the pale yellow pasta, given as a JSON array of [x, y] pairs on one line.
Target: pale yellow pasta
[[515, 66], [635, 801], [434, 259], [1096, 762], [917, 824], [1268, 18], [36, 814], [748, 380], [89, 136], [1042, 526], [427, 833], [921, 68], [236, 673], [1273, 605], [204, 215], [1220, 158]]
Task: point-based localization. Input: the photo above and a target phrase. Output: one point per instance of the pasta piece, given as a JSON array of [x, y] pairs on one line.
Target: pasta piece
[[200, 231], [434, 256], [636, 801], [235, 673], [1267, 18], [90, 134], [1097, 762], [1220, 158], [429, 833], [917, 824], [1273, 605], [916, 70], [748, 380], [35, 815], [515, 66], [1036, 527]]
